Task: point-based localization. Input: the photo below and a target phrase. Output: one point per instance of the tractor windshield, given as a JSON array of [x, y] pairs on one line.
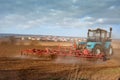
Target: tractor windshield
[[94, 36]]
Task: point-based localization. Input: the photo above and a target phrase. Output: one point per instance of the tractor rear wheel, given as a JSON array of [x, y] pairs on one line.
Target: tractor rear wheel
[[98, 50], [109, 52]]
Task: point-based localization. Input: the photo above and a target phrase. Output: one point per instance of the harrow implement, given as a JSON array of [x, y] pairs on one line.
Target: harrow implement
[[62, 51]]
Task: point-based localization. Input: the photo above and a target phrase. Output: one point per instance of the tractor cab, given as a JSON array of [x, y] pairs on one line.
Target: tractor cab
[[99, 35]]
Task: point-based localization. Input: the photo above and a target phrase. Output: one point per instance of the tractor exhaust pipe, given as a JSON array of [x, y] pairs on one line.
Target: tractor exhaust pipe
[[110, 33]]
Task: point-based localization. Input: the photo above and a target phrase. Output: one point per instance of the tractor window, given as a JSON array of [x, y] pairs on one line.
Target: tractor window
[[91, 36], [102, 35], [97, 36], [108, 35], [94, 36]]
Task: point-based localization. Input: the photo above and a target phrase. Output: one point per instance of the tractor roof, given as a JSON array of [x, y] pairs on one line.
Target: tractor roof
[[98, 29]]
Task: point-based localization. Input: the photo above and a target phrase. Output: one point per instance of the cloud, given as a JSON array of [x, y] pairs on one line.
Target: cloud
[[11, 20], [73, 13], [74, 1], [100, 20], [112, 7]]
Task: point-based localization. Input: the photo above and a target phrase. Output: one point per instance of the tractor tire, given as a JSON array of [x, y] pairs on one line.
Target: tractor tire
[[109, 52], [98, 50]]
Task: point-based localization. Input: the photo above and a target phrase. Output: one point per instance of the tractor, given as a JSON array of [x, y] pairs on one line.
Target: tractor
[[98, 41], [96, 46]]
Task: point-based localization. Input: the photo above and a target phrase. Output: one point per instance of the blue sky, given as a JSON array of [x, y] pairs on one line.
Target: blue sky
[[59, 17]]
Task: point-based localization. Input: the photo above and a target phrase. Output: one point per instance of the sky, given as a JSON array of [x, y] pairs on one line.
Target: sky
[[59, 17]]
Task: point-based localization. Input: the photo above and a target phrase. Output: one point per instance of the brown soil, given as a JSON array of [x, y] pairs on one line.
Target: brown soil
[[16, 67]]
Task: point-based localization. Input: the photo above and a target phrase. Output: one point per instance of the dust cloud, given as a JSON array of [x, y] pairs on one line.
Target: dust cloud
[[77, 60]]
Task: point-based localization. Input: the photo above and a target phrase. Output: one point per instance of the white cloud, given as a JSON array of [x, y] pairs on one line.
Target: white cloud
[[87, 18], [74, 22], [74, 1], [100, 20], [19, 21], [80, 14], [112, 7], [12, 20], [24, 22]]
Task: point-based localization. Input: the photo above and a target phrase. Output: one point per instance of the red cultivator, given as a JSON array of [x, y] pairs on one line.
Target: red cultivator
[[62, 51]]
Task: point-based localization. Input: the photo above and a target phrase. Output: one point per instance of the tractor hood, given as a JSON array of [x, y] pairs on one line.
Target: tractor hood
[[91, 45], [83, 43]]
